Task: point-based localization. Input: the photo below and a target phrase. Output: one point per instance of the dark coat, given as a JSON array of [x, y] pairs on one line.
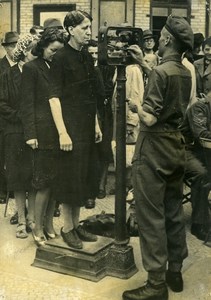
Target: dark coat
[[35, 108], [203, 78], [4, 65], [10, 100]]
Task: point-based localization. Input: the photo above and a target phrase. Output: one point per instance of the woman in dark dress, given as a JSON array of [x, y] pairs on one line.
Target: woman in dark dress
[[40, 131], [18, 155], [73, 105]]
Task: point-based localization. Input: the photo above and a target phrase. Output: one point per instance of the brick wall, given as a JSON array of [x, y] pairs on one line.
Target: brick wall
[[198, 13], [142, 9], [26, 10]]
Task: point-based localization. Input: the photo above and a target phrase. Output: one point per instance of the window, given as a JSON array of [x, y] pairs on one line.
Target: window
[[161, 9]]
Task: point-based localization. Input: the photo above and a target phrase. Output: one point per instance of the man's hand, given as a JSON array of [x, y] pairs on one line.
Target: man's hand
[[98, 134], [33, 143], [136, 53], [65, 142], [146, 118]]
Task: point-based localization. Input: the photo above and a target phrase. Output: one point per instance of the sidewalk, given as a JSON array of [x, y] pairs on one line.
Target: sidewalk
[[21, 281]]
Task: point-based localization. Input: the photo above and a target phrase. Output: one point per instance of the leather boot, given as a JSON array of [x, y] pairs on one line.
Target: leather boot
[[174, 281], [147, 292]]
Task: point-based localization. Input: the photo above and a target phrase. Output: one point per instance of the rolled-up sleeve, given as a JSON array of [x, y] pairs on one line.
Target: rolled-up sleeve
[[154, 94]]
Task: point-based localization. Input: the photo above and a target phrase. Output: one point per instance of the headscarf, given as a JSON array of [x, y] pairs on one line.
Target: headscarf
[[22, 45]]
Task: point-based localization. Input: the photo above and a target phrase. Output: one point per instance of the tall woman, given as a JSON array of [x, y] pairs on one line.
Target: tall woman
[[73, 105], [18, 155], [40, 131]]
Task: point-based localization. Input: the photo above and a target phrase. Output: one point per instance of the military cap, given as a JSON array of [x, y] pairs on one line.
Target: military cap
[[181, 30]]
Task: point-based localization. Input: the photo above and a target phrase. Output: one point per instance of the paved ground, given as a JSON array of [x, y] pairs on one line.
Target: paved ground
[[19, 280]]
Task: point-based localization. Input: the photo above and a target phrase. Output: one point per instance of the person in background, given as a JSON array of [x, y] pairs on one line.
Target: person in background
[[40, 132], [9, 42], [148, 47], [198, 125], [36, 30], [203, 70], [73, 102], [197, 47], [95, 165], [158, 165], [18, 155]]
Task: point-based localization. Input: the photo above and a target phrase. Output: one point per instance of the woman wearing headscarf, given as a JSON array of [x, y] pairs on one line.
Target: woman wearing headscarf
[[40, 131], [18, 155], [73, 104]]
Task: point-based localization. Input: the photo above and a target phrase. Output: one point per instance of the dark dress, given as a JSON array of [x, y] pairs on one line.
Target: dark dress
[[38, 122], [18, 155], [73, 81]]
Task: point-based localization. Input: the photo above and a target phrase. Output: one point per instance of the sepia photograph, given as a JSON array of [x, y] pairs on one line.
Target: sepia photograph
[[105, 149]]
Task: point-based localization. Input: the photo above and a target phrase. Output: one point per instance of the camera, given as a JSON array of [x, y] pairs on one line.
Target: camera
[[113, 43]]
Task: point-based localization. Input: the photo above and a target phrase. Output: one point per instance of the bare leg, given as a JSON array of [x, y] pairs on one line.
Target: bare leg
[[41, 202], [104, 175], [68, 219], [31, 205], [20, 199], [75, 216], [49, 217]]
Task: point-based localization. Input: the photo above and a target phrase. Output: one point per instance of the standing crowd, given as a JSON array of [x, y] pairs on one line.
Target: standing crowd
[[57, 134]]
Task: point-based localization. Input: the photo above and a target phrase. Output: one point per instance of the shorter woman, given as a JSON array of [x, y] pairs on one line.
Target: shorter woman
[[40, 131], [18, 155]]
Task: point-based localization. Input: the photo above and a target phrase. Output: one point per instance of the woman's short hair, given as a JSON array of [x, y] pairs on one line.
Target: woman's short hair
[[75, 17], [25, 43], [49, 36]]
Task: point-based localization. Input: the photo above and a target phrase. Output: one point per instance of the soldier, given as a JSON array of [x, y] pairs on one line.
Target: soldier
[[158, 165]]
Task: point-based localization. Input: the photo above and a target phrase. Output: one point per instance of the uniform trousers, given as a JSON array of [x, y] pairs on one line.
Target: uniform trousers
[[158, 170]]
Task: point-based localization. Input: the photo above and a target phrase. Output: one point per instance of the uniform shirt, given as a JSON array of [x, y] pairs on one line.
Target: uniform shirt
[[167, 95]]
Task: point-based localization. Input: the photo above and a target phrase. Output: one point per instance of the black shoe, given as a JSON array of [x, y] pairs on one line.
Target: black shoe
[[208, 239], [14, 219], [174, 281], [84, 235], [147, 292], [57, 212], [2, 200], [199, 231], [101, 194], [90, 203], [72, 239]]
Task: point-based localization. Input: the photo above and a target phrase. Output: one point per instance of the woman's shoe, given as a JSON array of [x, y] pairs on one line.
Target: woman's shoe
[[50, 236], [39, 240], [14, 219], [21, 231], [71, 239], [30, 226], [101, 194]]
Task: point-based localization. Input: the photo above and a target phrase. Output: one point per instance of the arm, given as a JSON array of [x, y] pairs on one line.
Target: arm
[[64, 139], [27, 105], [137, 54], [98, 133]]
